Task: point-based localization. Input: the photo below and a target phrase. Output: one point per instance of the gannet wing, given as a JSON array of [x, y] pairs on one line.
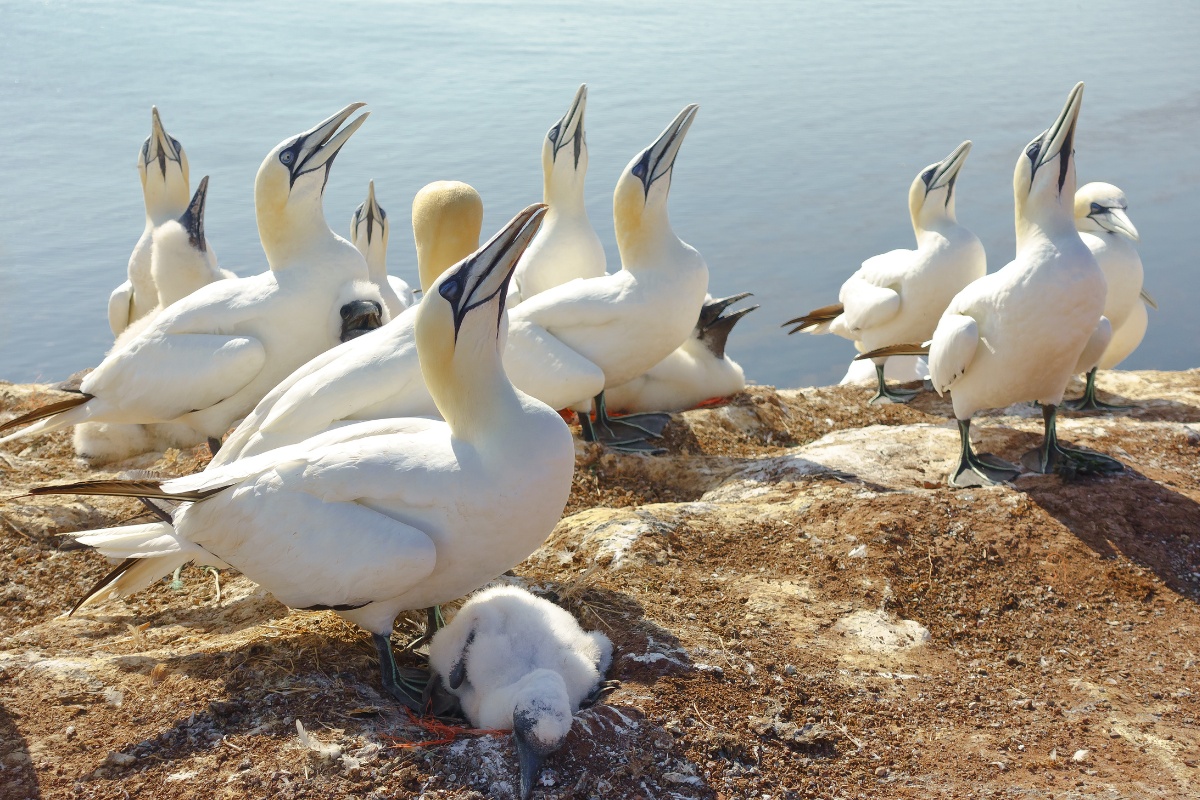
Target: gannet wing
[[159, 377], [952, 349], [543, 366], [866, 306], [119, 304], [583, 302]]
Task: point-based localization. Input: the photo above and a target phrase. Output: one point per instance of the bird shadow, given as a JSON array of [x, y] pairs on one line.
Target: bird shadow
[[18, 775]]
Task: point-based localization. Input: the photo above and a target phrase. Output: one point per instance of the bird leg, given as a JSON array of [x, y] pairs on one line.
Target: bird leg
[[627, 434], [885, 395], [434, 622], [1088, 401], [214, 445], [1053, 457], [407, 685], [979, 470], [597, 694]]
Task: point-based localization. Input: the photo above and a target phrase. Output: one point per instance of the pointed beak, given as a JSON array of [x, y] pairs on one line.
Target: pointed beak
[[712, 310], [947, 169], [320, 145], [193, 218], [658, 159], [531, 764], [484, 274], [369, 212], [716, 334], [159, 147], [1117, 221], [1059, 141], [569, 130], [1148, 300]]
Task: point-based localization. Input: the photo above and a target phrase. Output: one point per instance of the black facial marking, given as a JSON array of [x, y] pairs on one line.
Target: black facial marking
[[458, 672], [1064, 157], [950, 190], [1033, 150], [451, 289], [927, 176], [1098, 209]]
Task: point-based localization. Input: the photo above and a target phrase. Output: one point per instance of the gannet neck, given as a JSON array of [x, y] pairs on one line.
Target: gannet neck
[[458, 334], [446, 219], [163, 170], [565, 159], [645, 238]]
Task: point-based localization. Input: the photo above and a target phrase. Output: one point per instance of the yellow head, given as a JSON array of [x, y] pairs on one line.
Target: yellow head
[[446, 219]]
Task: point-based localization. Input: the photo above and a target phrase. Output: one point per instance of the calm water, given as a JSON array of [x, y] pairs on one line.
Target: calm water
[[814, 119]]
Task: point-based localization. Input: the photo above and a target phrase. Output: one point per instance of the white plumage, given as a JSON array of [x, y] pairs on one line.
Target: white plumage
[[369, 231]]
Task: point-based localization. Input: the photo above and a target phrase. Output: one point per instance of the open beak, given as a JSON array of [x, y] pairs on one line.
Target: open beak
[[1059, 141], [193, 218], [946, 171], [712, 310], [716, 334], [658, 159], [320, 145], [1115, 220], [484, 274], [569, 130]]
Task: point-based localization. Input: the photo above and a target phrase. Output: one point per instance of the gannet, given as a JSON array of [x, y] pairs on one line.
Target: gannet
[[697, 370], [207, 359], [1105, 227], [163, 168], [518, 662], [1016, 334], [369, 232], [569, 343], [898, 296], [567, 247], [409, 515], [371, 377]]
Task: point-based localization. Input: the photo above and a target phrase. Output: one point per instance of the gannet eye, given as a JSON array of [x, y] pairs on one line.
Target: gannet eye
[[553, 134], [175, 143], [639, 169], [1033, 149], [927, 176], [451, 290], [1098, 209], [287, 157]]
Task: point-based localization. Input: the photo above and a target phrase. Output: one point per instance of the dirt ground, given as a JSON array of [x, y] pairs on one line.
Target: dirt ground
[[800, 609]]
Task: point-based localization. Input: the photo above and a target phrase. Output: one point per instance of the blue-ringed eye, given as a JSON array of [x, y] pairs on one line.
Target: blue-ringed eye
[[927, 176], [553, 134], [1098, 209], [639, 169], [287, 157], [451, 289], [175, 143], [1033, 149]]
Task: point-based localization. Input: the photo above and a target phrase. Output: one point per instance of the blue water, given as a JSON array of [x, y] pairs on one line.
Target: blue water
[[814, 119]]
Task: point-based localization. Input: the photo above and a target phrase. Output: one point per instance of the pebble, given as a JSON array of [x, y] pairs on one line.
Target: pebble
[[789, 669], [119, 760], [881, 772]]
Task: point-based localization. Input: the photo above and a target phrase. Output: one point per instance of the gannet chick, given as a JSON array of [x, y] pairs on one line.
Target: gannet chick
[[566, 345], [163, 169], [373, 377], [518, 662], [1104, 225], [205, 360], [1016, 335], [406, 515], [567, 246], [898, 297], [369, 232], [698, 370]]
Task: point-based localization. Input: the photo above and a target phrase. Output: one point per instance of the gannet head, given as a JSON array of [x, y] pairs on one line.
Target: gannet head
[[931, 196], [291, 181], [446, 219], [565, 156], [1044, 180], [640, 199], [181, 244], [541, 716], [1101, 208], [714, 325], [163, 169], [369, 232], [458, 318]]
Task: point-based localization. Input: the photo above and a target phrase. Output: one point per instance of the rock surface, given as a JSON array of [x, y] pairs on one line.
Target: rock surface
[[800, 608]]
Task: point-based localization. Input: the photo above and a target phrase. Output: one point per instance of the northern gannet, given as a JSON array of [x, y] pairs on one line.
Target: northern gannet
[[1105, 227], [697, 370], [163, 168], [567, 247], [369, 232], [371, 377], [567, 344], [206, 360], [1016, 334], [518, 662], [409, 515], [897, 297]]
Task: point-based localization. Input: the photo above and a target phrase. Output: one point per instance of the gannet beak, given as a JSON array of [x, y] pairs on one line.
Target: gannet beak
[[1148, 300], [716, 334], [946, 171], [193, 218], [359, 317], [1059, 141], [316, 148], [531, 762], [568, 131], [1114, 219], [657, 159], [484, 274], [369, 211], [711, 311], [159, 145]]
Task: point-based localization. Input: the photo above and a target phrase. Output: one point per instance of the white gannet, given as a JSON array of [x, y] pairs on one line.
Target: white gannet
[[207, 359], [369, 232], [409, 515], [1105, 227], [567, 246], [375, 376], [697, 370], [518, 662], [897, 297], [567, 344], [1016, 334], [163, 168]]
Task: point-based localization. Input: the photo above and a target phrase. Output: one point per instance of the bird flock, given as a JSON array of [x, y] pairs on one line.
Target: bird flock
[[380, 448]]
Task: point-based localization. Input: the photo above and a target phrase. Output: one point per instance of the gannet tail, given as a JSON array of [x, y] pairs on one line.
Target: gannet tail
[[895, 350], [149, 552], [122, 488], [49, 418], [816, 321]]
